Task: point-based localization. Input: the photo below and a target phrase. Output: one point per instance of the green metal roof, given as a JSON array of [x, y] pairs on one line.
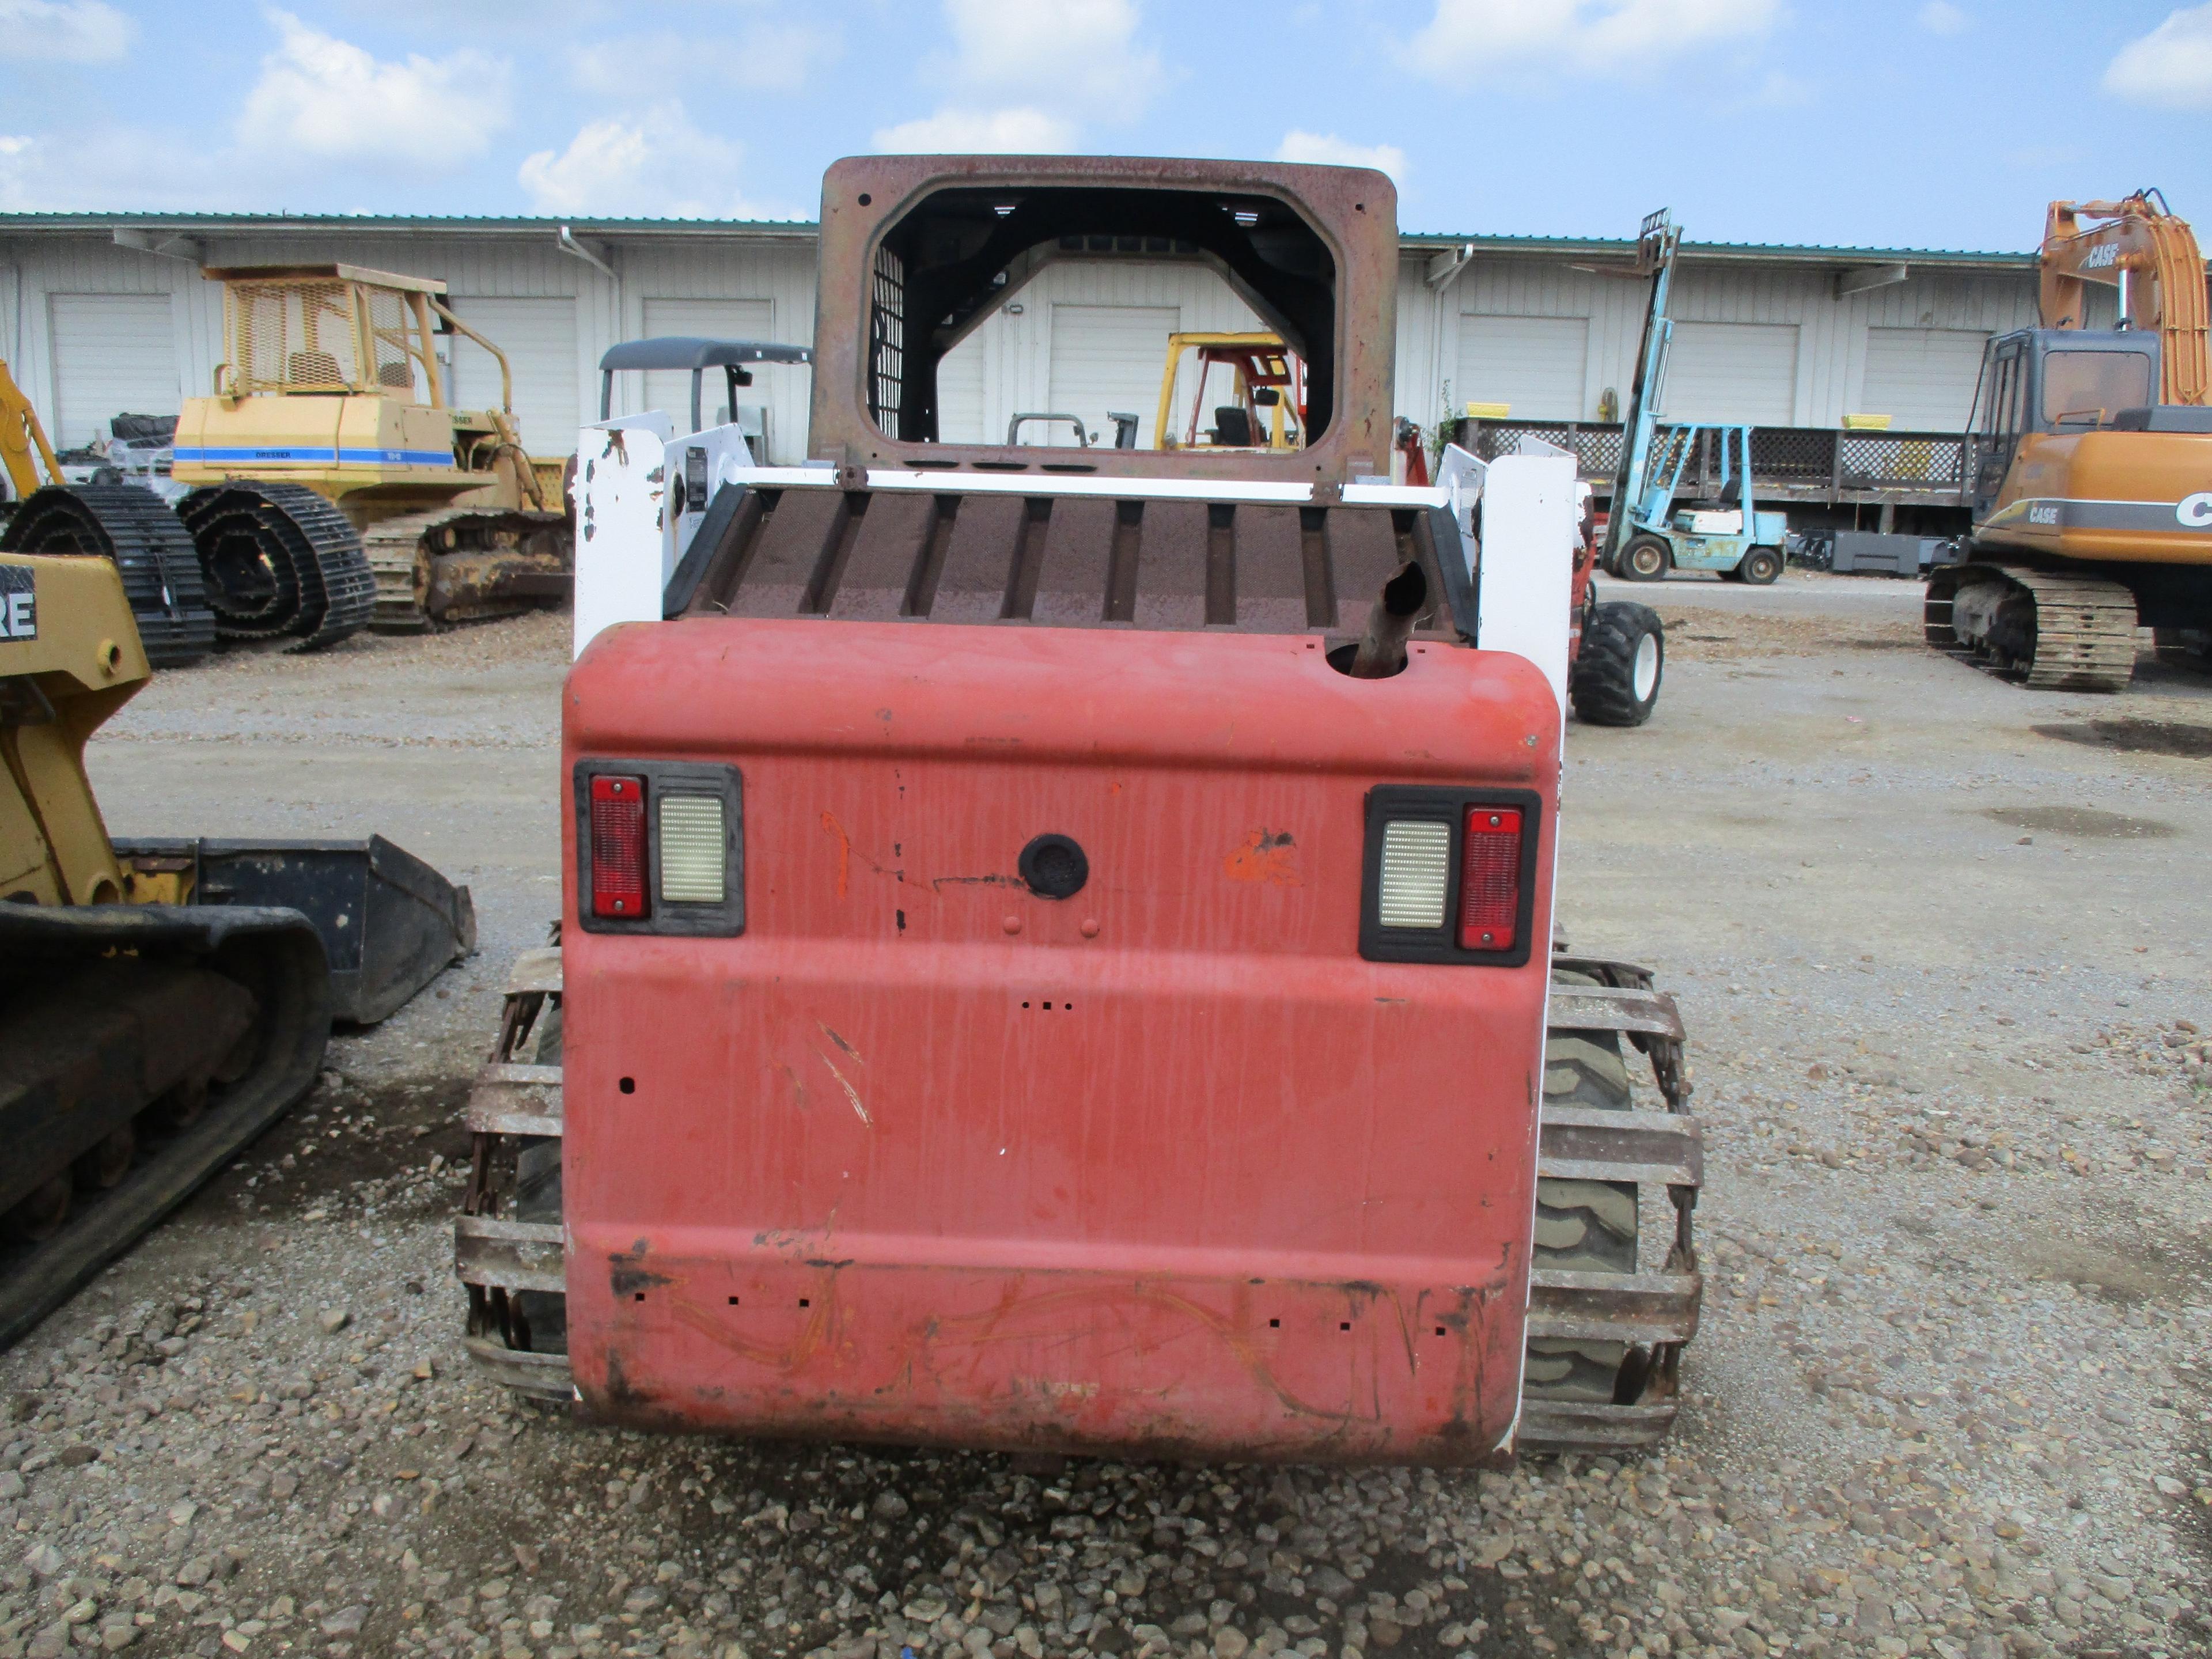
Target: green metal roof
[[493, 224], [1790, 253]]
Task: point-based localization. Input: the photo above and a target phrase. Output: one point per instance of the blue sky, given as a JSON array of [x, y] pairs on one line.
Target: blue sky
[[1902, 123]]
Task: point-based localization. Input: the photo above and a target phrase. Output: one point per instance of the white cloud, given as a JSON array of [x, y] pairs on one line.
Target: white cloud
[[1942, 17], [1005, 54], [323, 97], [652, 163], [2171, 66], [1084, 51], [758, 54], [1620, 37], [64, 31], [980, 131], [1329, 150]]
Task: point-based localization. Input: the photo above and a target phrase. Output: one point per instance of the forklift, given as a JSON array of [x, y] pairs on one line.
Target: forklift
[[1645, 536], [1731, 536]]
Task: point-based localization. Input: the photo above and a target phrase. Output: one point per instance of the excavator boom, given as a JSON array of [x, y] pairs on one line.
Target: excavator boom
[[2151, 256], [23, 445]]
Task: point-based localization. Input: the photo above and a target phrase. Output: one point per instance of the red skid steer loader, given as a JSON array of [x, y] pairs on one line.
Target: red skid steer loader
[[1056, 949]]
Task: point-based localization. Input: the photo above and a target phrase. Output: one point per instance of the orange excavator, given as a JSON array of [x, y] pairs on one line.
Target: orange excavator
[[2089, 463]]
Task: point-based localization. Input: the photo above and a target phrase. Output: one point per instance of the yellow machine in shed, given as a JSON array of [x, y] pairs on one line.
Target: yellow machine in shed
[[332, 385]]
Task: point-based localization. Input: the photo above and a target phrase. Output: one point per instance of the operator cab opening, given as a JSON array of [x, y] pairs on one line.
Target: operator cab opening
[[1173, 319]]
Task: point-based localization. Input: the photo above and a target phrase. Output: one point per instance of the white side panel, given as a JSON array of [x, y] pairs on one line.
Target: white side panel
[[620, 485], [717, 319], [1737, 372], [113, 354], [697, 467], [1921, 378], [1525, 587], [1537, 365], [539, 338], [1106, 358]]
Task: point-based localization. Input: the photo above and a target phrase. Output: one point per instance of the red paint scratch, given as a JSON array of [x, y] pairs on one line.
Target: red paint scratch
[[844, 853], [1265, 856]]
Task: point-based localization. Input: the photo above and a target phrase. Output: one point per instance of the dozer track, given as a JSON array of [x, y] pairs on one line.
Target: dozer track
[[281, 563], [1605, 1339], [2081, 636], [141, 1046], [135, 530], [463, 564]]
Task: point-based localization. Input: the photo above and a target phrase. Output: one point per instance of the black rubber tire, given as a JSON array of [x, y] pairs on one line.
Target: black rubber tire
[[1657, 559], [1602, 687], [1583, 1226], [1760, 567]]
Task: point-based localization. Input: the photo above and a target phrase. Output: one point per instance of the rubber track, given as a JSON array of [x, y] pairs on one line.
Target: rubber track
[[135, 530], [320, 588], [2085, 628]]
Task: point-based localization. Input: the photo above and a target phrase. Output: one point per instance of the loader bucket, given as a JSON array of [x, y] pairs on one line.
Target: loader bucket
[[389, 922]]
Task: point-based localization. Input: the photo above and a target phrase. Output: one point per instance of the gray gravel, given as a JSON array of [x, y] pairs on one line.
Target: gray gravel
[[1949, 1398]]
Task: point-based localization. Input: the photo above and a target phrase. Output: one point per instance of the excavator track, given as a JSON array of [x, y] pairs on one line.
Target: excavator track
[[463, 564], [1605, 1339], [142, 1047], [134, 529], [281, 563], [2079, 635]]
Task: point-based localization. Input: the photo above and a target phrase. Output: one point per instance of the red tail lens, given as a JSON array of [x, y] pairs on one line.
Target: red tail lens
[[1490, 879], [617, 847]]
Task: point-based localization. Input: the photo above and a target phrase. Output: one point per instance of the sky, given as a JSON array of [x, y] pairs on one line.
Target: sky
[[1923, 123]]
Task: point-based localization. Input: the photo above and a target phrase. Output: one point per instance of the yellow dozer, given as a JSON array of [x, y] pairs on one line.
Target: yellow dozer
[[332, 392], [161, 1003]]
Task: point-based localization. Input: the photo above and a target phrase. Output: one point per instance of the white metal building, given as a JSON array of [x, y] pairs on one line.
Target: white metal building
[[102, 313]]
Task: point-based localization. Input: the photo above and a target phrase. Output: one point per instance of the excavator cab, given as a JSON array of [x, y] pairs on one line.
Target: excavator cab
[[2064, 381]]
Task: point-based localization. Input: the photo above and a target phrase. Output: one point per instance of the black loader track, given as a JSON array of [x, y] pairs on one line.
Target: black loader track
[[281, 562], [135, 530]]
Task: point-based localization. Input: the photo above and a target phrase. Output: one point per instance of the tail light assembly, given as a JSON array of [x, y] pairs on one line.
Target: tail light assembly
[[659, 847], [1450, 876]]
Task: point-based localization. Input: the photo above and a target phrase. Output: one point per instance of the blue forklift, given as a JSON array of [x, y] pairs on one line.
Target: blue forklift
[[1731, 536], [1646, 535]]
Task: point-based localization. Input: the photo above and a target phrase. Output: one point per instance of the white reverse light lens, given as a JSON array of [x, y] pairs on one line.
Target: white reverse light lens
[[1416, 872], [691, 863]]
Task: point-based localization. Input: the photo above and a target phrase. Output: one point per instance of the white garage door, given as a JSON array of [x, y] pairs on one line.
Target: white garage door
[[1921, 378], [712, 319], [1106, 358], [539, 339], [960, 391], [1739, 372], [114, 354], [1532, 364]]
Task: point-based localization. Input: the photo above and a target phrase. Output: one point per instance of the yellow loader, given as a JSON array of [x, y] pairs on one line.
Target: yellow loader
[[161, 1003]]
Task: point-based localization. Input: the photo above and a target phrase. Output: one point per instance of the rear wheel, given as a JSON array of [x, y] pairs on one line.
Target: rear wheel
[[542, 1315], [1760, 567], [1646, 559], [1618, 671]]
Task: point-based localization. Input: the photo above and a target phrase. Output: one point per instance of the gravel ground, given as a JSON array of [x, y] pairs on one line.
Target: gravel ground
[[1939, 944]]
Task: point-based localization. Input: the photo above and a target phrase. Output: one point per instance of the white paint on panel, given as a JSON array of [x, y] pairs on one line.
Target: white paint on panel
[[1537, 364], [1735, 372], [1921, 378], [1105, 359], [538, 336], [113, 354]]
